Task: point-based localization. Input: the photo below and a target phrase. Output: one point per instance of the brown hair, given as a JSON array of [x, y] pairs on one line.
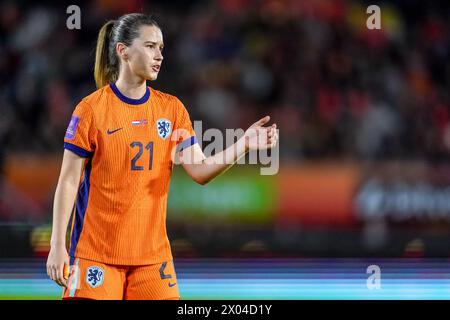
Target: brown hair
[[125, 30]]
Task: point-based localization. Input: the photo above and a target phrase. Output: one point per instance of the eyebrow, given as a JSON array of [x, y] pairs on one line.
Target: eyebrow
[[153, 42]]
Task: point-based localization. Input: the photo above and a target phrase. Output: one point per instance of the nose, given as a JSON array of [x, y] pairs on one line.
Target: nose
[[159, 56]]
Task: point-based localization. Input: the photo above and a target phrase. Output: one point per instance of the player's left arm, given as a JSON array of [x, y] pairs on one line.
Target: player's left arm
[[203, 169]]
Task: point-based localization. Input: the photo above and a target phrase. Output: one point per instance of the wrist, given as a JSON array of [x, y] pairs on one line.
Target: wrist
[[57, 243]]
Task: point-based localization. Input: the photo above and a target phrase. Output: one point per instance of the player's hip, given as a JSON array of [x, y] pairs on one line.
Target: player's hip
[[90, 279]]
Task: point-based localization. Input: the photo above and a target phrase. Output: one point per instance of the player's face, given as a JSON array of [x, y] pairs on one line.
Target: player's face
[[145, 53]]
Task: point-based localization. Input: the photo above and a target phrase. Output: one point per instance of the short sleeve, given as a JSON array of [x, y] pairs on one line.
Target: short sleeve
[[80, 134], [183, 134]]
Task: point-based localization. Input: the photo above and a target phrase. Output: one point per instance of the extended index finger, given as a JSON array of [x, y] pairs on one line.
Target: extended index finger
[[262, 121]]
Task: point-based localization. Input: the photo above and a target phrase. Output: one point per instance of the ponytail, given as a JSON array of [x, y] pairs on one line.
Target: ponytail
[[106, 68]]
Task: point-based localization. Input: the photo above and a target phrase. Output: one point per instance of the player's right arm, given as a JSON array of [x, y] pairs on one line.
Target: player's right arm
[[66, 191]]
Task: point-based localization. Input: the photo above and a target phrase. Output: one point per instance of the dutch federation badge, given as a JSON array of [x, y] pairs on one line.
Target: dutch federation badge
[[95, 276], [163, 127]]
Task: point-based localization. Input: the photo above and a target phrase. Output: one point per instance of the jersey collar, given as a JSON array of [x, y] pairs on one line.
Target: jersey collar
[[125, 99]]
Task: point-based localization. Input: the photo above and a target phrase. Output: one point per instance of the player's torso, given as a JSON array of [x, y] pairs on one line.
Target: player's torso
[[133, 145], [129, 181]]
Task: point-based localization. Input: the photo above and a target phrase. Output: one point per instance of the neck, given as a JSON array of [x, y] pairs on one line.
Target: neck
[[131, 86]]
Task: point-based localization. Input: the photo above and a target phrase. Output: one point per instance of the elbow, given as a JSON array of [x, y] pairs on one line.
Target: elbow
[[201, 180], [69, 181]]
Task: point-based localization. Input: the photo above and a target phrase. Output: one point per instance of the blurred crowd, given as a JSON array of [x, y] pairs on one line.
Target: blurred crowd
[[335, 88]]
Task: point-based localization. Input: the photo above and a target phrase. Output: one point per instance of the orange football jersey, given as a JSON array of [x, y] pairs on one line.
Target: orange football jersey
[[120, 210]]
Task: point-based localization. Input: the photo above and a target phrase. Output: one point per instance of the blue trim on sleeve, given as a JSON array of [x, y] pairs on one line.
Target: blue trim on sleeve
[[80, 211], [125, 99], [78, 150], [186, 143]]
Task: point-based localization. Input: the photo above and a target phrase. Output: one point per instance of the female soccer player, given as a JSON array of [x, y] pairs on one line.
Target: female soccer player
[[119, 145]]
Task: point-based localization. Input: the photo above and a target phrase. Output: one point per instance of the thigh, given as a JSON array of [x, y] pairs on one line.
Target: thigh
[[152, 282], [94, 280]]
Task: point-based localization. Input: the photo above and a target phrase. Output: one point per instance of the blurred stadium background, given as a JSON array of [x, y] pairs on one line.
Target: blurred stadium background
[[364, 118]]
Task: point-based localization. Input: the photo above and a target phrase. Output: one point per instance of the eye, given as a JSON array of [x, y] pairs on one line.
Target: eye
[[153, 46]]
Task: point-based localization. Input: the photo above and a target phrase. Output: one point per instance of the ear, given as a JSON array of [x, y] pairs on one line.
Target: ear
[[122, 50]]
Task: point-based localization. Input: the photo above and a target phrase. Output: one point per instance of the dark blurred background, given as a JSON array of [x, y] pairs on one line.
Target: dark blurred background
[[364, 119]]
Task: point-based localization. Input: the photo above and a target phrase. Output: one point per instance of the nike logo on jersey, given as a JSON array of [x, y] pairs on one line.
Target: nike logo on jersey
[[172, 284], [112, 131]]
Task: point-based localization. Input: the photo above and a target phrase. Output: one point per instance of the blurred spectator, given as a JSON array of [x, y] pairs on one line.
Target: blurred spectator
[[335, 88]]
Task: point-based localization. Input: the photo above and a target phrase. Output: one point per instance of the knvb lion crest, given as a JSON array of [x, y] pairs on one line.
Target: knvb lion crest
[[95, 276], [164, 127]]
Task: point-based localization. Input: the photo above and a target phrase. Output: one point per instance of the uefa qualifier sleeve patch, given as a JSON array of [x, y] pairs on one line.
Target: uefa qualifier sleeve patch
[[72, 128]]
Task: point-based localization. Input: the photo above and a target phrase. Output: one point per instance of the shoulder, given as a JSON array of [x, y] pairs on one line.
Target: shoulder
[[95, 104], [168, 100], [89, 106], [98, 97]]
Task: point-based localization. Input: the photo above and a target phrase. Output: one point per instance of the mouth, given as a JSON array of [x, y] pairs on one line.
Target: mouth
[[156, 68]]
